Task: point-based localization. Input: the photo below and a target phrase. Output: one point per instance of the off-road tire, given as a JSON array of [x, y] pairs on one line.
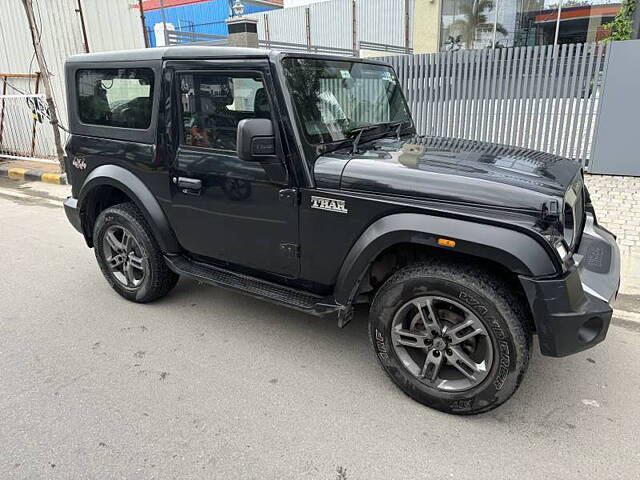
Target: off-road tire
[[158, 279], [491, 299]]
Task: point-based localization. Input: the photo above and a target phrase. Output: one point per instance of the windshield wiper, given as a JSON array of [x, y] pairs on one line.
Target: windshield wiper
[[398, 126], [360, 131]]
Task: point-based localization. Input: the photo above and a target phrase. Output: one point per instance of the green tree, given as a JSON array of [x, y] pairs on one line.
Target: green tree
[[620, 28], [474, 21], [569, 4]]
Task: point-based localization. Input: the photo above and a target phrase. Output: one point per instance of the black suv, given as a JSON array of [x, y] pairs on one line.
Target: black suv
[[299, 179]]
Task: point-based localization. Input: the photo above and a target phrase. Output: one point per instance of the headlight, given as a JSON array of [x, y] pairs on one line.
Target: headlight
[[573, 213], [568, 218], [559, 244]]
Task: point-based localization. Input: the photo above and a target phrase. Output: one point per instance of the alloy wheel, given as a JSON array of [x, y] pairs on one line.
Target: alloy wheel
[[123, 256], [442, 343]]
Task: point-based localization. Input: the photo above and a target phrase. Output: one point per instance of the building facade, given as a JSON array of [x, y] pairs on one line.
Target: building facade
[[515, 23], [197, 16], [429, 26]]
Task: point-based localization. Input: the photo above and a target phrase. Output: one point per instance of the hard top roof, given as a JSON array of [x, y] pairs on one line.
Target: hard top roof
[[195, 51], [176, 52]]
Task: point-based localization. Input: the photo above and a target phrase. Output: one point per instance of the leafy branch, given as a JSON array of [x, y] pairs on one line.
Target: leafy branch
[[620, 28]]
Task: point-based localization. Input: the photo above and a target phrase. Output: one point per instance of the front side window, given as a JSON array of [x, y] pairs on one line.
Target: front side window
[[335, 98], [214, 103], [116, 97]]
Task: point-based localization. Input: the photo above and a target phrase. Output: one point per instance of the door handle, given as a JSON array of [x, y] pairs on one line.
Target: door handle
[[188, 183]]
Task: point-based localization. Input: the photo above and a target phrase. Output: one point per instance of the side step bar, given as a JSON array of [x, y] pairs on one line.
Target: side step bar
[[252, 286]]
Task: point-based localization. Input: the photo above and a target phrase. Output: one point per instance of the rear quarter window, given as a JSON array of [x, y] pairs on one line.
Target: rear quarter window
[[115, 97]]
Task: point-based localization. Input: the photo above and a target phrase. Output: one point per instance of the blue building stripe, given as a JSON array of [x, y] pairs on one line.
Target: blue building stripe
[[205, 17]]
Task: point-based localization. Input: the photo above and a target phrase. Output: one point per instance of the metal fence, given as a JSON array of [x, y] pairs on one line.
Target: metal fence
[[386, 25], [25, 133], [24, 128], [545, 98]]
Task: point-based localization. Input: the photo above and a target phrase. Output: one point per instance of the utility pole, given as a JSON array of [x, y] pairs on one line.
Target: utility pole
[[85, 39], [144, 25], [495, 25], [407, 26], [165, 35], [555, 40], [44, 75]]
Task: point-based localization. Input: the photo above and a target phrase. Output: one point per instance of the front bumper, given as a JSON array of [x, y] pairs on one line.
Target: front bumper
[[572, 313], [73, 213]]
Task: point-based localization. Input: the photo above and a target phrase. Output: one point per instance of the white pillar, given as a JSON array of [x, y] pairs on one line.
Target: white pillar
[[158, 30]]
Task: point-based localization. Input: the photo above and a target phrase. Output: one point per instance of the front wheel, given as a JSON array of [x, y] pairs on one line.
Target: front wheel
[[451, 336]]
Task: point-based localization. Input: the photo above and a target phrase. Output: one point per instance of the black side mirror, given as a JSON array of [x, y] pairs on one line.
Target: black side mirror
[[255, 139]]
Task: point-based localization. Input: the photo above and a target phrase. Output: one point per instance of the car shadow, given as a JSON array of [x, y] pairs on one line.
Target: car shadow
[[556, 384]]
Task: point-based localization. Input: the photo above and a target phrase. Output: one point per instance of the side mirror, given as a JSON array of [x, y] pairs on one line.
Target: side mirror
[[255, 139]]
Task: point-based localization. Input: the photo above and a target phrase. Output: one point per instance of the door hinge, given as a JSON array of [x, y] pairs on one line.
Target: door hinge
[[290, 249]]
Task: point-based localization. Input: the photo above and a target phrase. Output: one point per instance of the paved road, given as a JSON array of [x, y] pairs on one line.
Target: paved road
[[210, 384]]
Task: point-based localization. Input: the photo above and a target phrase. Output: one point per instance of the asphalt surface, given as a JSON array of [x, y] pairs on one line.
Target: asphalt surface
[[211, 384]]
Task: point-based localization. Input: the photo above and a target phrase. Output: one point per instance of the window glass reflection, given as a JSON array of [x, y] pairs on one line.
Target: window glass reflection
[[475, 24]]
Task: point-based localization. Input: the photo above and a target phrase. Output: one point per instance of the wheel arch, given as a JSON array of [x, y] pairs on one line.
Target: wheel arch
[[114, 179], [514, 251]]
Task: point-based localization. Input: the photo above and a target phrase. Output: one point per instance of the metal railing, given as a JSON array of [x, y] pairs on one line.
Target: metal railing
[[303, 47], [545, 98], [383, 47], [177, 37]]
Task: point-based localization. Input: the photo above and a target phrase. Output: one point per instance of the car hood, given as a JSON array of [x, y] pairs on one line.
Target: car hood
[[453, 170]]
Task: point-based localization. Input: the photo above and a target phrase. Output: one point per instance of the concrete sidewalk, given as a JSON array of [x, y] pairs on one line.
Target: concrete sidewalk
[[630, 275], [34, 192]]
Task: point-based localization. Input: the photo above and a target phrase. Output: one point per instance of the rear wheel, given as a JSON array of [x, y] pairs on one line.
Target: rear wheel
[[129, 256], [451, 336]]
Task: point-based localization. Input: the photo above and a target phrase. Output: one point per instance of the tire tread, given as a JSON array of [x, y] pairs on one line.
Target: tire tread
[[476, 278], [163, 280]]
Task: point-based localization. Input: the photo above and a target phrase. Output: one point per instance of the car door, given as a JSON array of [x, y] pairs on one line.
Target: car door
[[224, 208]]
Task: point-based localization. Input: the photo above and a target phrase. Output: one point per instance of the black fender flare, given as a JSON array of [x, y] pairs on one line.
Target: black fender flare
[[140, 194], [518, 252]]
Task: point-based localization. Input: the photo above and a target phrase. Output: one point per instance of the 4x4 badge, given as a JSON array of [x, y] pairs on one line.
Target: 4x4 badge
[[330, 204], [79, 163]]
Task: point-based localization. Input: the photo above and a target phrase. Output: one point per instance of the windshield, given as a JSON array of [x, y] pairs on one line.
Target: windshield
[[334, 99]]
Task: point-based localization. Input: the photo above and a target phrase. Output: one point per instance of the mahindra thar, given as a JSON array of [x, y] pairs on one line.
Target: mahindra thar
[[300, 179]]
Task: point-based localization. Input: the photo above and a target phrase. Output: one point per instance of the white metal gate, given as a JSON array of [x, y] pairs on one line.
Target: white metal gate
[[545, 98], [25, 132]]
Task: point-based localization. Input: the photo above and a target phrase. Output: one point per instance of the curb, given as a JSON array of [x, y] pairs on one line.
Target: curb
[[628, 316], [14, 173]]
